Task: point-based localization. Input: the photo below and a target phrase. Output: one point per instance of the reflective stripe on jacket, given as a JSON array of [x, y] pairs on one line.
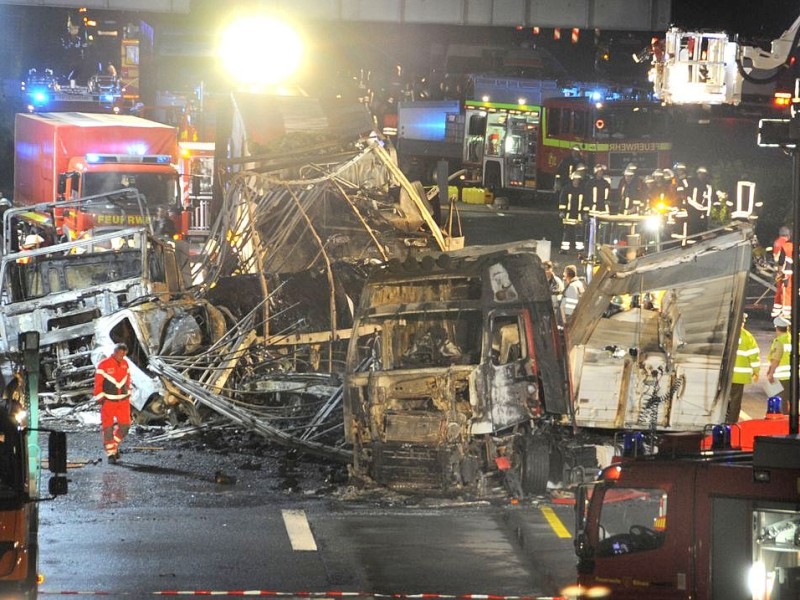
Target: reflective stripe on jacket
[[782, 342], [748, 359], [112, 380], [572, 294]]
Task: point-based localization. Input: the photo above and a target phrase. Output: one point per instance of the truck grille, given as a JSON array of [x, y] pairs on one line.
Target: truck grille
[[408, 465]]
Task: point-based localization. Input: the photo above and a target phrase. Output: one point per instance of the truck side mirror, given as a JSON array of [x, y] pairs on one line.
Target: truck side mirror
[[57, 486], [57, 463], [57, 452], [62, 184]]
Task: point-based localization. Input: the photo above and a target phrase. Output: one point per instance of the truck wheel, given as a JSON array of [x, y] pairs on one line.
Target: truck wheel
[[535, 465]]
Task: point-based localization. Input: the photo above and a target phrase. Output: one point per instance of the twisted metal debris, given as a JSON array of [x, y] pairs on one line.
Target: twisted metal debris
[[277, 371]]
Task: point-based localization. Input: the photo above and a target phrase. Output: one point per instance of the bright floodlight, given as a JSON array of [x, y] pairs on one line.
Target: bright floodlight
[[260, 51]]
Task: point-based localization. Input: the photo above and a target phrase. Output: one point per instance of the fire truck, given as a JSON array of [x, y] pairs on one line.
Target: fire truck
[[686, 523], [66, 156], [614, 133], [513, 133], [713, 68]]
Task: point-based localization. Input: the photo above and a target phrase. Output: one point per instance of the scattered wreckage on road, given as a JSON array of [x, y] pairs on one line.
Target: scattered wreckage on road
[[261, 339], [445, 369]]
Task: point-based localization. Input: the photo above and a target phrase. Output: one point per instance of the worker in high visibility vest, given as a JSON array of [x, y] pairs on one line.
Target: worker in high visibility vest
[[779, 357], [745, 371]]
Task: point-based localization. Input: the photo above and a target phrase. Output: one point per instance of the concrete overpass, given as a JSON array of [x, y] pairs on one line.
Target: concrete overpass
[[626, 15]]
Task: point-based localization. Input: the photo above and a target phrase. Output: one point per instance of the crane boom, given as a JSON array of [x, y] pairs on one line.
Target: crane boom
[[701, 67]]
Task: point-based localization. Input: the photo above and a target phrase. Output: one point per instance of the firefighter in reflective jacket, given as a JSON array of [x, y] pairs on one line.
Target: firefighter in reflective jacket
[[112, 389], [745, 370], [573, 209], [598, 190]]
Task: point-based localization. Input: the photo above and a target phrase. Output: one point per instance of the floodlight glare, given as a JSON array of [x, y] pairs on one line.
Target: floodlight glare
[[258, 50]]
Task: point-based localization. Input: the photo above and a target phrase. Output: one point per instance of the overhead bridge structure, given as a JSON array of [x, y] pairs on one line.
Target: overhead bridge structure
[[626, 15]]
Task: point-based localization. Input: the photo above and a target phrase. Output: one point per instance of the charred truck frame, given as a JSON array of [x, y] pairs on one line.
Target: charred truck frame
[[466, 374]]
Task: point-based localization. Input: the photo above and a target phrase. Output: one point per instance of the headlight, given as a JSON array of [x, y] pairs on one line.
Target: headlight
[[652, 223]]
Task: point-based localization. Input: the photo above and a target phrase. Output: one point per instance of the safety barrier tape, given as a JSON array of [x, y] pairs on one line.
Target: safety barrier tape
[[328, 594]]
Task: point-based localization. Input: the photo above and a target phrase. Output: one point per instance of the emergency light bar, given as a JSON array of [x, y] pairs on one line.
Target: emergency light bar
[[158, 159]]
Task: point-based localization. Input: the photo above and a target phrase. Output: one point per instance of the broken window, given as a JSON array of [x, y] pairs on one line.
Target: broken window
[[507, 341], [431, 339]]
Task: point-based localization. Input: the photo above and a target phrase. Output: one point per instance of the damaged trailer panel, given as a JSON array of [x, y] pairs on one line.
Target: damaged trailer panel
[[465, 376], [652, 343]]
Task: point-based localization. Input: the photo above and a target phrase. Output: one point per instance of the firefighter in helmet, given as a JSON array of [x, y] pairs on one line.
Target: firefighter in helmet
[[572, 209]]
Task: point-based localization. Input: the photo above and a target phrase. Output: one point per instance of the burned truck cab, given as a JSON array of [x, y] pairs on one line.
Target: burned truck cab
[[461, 353]]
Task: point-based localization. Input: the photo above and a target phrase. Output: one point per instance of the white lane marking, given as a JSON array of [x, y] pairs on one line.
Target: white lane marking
[[299, 530]]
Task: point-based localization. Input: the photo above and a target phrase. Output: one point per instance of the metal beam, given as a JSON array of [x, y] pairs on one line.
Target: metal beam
[[627, 15], [163, 6]]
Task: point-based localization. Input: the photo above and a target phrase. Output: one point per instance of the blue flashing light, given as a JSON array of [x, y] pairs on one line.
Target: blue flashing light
[[774, 405], [720, 437], [596, 96], [92, 158], [163, 159], [108, 98], [39, 97], [633, 443]]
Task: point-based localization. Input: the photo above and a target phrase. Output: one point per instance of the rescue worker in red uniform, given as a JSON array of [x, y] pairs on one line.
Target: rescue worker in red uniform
[[784, 280], [779, 259], [112, 389]]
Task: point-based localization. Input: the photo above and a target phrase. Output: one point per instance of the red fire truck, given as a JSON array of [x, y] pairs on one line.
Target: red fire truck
[[66, 156], [690, 524], [513, 133], [613, 133]]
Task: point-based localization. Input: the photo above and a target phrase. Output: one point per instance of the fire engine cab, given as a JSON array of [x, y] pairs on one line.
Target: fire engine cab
[[694, 524]]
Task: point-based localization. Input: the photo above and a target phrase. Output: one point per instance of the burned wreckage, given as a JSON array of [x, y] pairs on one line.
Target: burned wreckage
[[329, 312], [255, 329], [466, 375]]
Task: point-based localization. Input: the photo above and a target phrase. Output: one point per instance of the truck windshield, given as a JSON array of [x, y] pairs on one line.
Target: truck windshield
[[420, 340], [158, 189], [631, 520]]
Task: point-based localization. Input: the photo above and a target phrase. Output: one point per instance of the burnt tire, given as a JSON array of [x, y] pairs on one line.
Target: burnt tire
[[535, 465]]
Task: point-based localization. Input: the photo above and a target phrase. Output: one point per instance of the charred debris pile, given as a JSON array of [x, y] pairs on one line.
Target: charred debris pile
[[256, 333]]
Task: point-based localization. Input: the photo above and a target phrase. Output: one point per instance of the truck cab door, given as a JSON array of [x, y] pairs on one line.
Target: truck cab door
[[505, 378], [69, 185]]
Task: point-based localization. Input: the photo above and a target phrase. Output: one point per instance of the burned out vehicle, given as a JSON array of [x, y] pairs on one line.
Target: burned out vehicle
[[465, 353], [61, 291], [182, 327], [466, 375]]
